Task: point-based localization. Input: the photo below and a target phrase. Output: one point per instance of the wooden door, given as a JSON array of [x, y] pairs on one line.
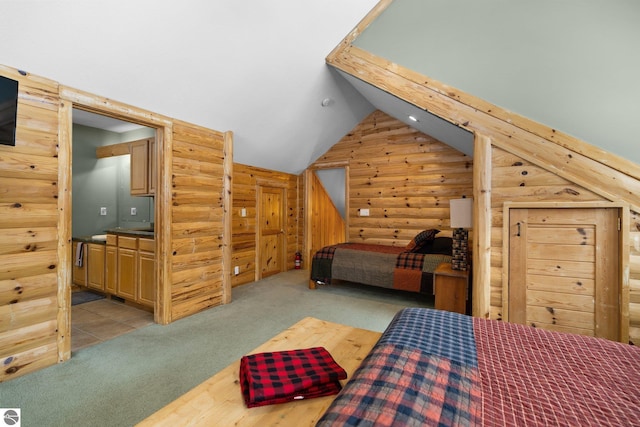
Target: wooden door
[[564, 270], [271, 243]]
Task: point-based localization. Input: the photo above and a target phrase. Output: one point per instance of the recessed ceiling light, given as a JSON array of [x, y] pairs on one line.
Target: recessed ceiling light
[[413, 119]]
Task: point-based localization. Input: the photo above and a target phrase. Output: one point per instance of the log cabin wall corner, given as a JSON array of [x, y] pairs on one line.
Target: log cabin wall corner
[[563, 168], [35, 220]]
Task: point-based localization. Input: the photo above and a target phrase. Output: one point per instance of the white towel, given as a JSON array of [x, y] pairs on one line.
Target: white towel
[[79, 250]]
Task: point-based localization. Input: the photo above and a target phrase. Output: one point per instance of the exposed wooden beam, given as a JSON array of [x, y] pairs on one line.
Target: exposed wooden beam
[[227, 217], [64, 269], [481, 300], [615, 179]]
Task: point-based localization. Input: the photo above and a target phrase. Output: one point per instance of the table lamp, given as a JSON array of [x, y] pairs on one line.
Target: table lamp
[[461, 211]]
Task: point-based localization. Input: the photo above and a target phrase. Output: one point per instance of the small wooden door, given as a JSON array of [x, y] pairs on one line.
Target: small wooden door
[[271, 245], [564, 270]]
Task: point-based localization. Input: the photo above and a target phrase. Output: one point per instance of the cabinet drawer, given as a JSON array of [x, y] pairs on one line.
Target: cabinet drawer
[[128, 242], [147, 245], [112, 239]]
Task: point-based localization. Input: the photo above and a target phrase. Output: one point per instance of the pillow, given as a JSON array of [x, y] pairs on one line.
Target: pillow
[[439, 245], [420, 239]]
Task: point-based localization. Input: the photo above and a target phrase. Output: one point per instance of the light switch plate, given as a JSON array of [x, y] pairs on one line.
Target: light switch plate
[[364, 212]]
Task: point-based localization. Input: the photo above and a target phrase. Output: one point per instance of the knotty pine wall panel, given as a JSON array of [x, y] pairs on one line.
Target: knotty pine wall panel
[[196, 225], [634, 278], [246, 180], [29, 327], [404, 177], [517, 180], [327, 227]]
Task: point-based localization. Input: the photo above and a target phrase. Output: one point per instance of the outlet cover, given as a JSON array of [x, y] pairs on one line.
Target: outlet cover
[[103, 211], [236, 270], [134, 211], [364, 212]]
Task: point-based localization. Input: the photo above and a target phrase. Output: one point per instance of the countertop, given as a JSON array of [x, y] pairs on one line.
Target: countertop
[[89, 239], [137, 232]]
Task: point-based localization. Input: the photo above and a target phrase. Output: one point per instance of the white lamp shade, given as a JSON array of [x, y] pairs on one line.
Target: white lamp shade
[[461, 211]]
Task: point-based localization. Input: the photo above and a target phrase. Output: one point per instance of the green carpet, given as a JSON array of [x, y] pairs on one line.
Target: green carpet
[[122, 381]]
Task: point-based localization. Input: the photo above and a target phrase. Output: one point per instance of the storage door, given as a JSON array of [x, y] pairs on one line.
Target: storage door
[[564, 270]]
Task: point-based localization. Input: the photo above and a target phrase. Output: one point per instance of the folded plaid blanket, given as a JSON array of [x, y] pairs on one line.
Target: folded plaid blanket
[[278, 377]]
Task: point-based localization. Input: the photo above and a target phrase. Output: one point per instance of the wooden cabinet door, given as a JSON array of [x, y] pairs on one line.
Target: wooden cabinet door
[[146, 272], [146, 278], [111, 269], [139, 168], [564, 270], [95, 266], [271, 245], [127, 273]]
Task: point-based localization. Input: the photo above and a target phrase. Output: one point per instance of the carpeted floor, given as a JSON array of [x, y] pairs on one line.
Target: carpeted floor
[[122, 381]]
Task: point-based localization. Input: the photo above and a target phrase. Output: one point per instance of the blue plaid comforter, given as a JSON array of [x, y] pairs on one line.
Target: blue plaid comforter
[[423, 371]]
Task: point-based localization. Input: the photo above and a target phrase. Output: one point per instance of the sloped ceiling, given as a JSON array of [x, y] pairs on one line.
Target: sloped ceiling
[[258, 68], [255, 68]]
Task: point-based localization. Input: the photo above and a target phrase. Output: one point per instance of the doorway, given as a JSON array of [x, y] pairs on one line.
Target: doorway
[[103, 199], [564, 269], [271, 248]]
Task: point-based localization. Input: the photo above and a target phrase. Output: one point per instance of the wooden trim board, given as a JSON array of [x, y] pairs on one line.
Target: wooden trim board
[[218, 400]]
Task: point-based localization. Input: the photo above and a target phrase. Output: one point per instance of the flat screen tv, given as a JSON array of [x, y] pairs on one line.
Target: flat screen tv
[[8, 110]]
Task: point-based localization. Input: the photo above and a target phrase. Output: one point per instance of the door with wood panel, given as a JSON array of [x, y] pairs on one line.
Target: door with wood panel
[[271, 244], [564, 270]]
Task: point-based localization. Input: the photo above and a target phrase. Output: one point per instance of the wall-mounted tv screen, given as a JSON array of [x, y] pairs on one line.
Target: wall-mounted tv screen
[[8, 110]]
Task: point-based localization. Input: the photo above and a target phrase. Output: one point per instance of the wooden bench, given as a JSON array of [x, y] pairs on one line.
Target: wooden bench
[[218, 400]]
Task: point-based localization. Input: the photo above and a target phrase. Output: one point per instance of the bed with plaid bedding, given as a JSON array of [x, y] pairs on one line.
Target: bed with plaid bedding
[[433, 367], [376, 265]]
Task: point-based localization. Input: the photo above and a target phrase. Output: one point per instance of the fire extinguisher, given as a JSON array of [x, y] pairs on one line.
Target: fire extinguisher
[[298, 260]]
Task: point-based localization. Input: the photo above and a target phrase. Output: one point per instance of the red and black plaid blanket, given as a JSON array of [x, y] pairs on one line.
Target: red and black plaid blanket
[[436, 368], [283, 376]]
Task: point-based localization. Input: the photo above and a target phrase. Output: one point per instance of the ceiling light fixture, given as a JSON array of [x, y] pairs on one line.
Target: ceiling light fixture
[[326, 102], [413, 118]]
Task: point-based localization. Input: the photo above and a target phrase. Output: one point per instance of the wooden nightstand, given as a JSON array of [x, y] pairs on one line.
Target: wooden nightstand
[[451, 288]]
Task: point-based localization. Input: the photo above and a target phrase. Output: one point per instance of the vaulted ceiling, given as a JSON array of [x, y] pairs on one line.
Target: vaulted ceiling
[[258, 68], [255, 68]]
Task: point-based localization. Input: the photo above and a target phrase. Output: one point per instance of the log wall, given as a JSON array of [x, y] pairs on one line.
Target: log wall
[[517, 180], [246, 180], [634, 278], [30, 331], [197, 229], [192, 220], [404, 177]]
